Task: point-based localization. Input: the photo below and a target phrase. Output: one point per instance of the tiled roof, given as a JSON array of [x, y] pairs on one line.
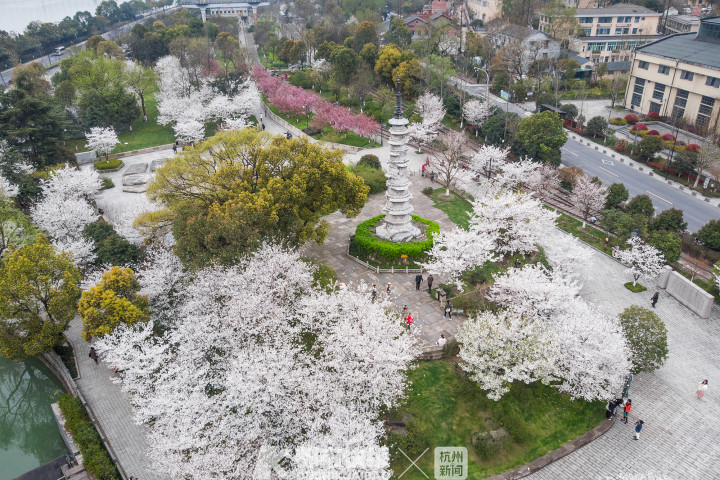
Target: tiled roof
[[686, 49]]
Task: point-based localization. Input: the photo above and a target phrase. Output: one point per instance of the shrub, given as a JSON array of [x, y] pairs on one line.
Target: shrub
[[652, 116], [375, 179], [368, 243], [647, 336], [95, 457], [621, 145], [371, 161], [709, 234], [631, 118], [653, 132], [641, 205], [617, 121], [98, 231], [109, 246], [617, 193], [638, 127], [649, 146], [680, 143], [668, 137], [428, 190], [637, 288], [106, 183], [109, 164], [312, 131], [692, 147], [668, 243]]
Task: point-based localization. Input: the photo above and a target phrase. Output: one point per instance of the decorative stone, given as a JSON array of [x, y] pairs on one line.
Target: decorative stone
[[397, 226]]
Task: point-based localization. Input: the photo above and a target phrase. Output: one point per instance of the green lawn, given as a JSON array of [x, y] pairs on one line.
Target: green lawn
[[143, 134], [457, 209], [589, 235], [444, 408]]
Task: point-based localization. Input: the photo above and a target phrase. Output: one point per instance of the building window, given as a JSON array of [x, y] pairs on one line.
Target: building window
[[644, 65], [654, 107], [605, 20], [634, 31], [706, 107], [637, 19], [685, 75], [636, 98], [713, 82], [585, 20], [664, 69], [659, 91], [603, 31], [587, 32], [680, 102], [621, 31]]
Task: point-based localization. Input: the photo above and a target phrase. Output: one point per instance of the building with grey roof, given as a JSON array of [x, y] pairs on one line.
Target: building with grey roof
[[679, 77]]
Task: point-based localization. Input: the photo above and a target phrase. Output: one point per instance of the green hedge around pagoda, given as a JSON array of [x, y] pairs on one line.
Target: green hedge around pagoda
[[368, 244]]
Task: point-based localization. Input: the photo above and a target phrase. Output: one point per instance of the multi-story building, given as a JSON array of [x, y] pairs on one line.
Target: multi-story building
[[614, 48], [679, 77], [485, 10], [535, 44], [680, 24]]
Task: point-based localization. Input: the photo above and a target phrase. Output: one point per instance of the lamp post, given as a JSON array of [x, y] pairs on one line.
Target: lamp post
[[487, 82]]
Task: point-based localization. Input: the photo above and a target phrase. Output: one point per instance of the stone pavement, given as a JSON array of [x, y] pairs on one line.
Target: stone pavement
[[112, 409], [679, 436], [426, 311]]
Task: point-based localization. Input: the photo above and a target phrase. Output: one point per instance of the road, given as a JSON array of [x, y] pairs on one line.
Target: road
[[696, 211]]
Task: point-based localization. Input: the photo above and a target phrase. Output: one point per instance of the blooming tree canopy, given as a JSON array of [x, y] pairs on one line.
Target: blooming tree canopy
[[588, 196], [641, 260], [450, 163], [263, 361], [487, 158], [476, 112], [102, 140], [430, 106], [544, 180]]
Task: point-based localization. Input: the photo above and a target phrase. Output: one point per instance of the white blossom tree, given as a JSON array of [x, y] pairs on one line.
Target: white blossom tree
[[518, 220], [566, 254], [455, 251], [189, 130], [476, 112], [102, 140], [641, 260], [544, 180], [449, 163], [588, 196], [431, 108], [64, 210], [515, 174], [261, 360], [487, 158], [500, 348]]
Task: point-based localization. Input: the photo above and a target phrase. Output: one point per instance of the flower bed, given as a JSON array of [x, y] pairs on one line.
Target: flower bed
[[369, 245], [617, 121], [631, 118], [638, 127]]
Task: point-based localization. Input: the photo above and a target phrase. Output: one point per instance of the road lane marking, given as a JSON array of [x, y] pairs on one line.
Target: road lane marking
[[607, 162], [608, 171], [658, 196], [571, 152]]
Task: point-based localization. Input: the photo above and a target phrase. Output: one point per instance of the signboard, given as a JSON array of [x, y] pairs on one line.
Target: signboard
[[504, 95]]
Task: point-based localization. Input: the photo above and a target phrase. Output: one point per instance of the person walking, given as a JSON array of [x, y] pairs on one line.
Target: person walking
[[442, 340], [654, 299], [517, 263], [701, 389], [409, 320], [638, 428], [626, 410], [373, 293], [93, 354], [418, 280], [448, 309], [387, 289], [175, 145], [422, 170], [430, 282], [432, 177]]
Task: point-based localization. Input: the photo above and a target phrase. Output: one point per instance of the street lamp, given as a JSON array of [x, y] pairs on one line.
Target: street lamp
[[487, 82]]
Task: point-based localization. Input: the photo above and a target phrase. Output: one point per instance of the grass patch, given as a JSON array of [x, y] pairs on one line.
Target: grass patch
[[445, 408], [109, 164], [590, 235], [457, 208], [637, 288]]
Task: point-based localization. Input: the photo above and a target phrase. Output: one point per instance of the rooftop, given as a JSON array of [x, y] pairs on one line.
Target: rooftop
[[619, 9], [517, 31], [685, 19], [684, 47]]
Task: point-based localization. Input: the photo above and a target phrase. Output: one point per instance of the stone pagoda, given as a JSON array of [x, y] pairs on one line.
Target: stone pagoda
[[397, 225]]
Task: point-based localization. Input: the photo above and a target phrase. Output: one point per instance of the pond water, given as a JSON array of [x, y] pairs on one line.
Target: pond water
[[29, 435]]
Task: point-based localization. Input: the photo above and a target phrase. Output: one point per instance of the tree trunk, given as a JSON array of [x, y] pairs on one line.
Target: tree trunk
[[142, 104], [697, 179]]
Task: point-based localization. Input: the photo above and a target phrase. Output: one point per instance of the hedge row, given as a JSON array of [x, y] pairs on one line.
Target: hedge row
[[95, 457], [109, 164], [368, 243]]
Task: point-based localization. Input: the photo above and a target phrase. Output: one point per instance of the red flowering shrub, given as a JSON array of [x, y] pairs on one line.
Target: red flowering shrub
[[631, 118], [667, 137], [693, 147], [653, 116], [638, 127], [680, 143], [653, 132]]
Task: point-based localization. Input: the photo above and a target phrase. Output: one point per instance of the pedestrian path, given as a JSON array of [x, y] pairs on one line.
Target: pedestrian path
[[112, 409]]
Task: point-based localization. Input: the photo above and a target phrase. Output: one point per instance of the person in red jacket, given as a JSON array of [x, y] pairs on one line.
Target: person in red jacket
[[409, 320], [628, 406]]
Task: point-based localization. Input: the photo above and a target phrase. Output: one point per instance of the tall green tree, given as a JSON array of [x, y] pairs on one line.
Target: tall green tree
[[251, 188], [31, 120], [38, 296], [617, 193], [642, 205], [141, 81], [647, 336], [399, 33], [540, 137]]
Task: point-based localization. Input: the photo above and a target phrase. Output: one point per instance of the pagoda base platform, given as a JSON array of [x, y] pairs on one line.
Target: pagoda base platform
[[388, 232]]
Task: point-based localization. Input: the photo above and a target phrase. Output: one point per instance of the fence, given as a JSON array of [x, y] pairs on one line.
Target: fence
[[54, 363]]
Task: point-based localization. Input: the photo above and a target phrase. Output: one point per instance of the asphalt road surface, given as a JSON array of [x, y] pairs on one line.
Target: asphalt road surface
[[696, 211]]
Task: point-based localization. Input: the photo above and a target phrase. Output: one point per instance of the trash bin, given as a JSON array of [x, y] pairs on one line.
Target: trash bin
[[441, 295]]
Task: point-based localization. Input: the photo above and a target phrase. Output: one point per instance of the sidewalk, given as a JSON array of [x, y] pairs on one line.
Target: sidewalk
[[112, 409]]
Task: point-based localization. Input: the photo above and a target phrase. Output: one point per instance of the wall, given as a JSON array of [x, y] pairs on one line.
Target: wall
[[687, 293]]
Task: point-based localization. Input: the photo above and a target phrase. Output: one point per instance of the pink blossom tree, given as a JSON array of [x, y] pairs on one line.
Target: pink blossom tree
[[588, 196]]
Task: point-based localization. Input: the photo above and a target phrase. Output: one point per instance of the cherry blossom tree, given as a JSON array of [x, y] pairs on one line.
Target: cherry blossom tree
[[264, 362], [641, 260], [431, 108], [486, 157], [64, 210], [455, 251], [498, 349], [189, 130], [102, 140], [544, 180], [517, 220], [588, 196], [565, 253], [449, 162], [476, 112], [515, 174]]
